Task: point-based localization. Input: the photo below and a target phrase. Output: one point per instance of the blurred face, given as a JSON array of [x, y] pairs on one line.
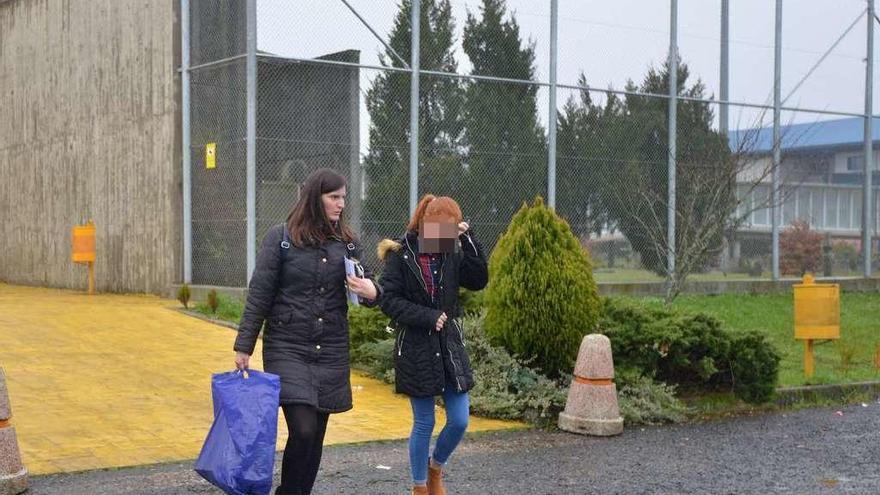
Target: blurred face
[[438, 235], [334, 203]]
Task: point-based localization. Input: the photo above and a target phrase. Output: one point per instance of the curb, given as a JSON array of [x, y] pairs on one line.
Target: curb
[[790, 395], [203, 317]]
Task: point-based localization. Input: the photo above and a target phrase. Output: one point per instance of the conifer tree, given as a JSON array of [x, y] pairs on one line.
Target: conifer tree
[[541, 298], [388, 103]]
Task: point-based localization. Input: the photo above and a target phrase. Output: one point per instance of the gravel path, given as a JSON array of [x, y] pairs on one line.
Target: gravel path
[[811, 451]]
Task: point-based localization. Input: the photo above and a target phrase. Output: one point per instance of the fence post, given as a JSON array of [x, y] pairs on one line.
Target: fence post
[[723, 119], [673, 123], [186, 140], [868, 200], [414, 106], [251, 71], [551, 121], [777, 154]]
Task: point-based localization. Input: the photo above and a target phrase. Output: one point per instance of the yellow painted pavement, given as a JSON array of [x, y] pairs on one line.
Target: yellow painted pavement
[[121, 380]]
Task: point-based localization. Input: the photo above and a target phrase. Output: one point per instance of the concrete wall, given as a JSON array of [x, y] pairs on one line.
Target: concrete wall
[[90, 130]]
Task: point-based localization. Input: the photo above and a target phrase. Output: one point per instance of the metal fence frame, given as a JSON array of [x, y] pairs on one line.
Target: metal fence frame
[[413, 68]]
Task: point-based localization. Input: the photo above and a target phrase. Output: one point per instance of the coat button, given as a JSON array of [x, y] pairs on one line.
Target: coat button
[[438, 354], [320, 320], [324, 260], [321, 290], [318, 347]]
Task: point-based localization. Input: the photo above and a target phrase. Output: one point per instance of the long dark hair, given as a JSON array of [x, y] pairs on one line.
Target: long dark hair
[[307, 222]]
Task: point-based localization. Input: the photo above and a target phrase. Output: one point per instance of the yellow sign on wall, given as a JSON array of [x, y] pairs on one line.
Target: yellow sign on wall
[[83, 243], [211, 155]]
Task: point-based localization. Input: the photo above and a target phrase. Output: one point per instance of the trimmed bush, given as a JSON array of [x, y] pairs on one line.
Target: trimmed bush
[[183, 295], [366, 325], [228, 308], [541, 299], [507, 388], [754, 367], [212, 301], [800, 249], [471, 303], [644, 401], [689, 350]]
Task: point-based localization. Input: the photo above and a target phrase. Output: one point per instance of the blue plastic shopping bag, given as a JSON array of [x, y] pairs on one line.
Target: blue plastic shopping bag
[[239, 453]]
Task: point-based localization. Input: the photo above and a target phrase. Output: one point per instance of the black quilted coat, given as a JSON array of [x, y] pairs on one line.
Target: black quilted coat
[[425, 359], [300, 294]]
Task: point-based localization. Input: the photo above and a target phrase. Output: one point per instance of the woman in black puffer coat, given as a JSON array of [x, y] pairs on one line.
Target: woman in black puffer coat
[[299, 290], [423, 271]]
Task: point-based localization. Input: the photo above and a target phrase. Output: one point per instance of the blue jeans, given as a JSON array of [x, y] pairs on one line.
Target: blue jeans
[[457, 411]]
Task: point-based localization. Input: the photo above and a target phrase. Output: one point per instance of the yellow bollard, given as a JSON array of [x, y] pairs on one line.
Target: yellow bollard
[[83, 249], [816, 315]]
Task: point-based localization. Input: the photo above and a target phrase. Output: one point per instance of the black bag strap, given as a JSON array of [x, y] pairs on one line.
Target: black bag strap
[[285, 246], [350, 248]]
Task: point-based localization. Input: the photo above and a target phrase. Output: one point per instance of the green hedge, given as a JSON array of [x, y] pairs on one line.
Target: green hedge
[[692, 351]]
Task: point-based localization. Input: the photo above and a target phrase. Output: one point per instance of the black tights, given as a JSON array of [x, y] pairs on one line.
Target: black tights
[[302, 454]]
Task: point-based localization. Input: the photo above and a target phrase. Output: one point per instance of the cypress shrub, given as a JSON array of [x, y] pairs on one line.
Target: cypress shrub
[[541, 299]]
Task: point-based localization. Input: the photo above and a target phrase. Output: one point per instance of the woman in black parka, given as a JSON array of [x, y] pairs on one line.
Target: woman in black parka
[[423, 271], [299, 289]]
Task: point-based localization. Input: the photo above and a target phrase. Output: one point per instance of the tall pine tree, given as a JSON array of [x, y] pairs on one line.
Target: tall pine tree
[[388, 103], [506, 146], [582, 145], [635, 176]]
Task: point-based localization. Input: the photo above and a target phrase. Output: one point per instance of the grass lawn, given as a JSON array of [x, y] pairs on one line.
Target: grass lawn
[[850, 359], [228, 309]]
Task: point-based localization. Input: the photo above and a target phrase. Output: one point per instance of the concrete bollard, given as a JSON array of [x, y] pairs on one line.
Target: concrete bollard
[[591, 408], [13, 474]]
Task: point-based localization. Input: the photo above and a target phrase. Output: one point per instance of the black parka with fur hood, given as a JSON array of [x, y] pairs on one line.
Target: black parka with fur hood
[[425, 359]]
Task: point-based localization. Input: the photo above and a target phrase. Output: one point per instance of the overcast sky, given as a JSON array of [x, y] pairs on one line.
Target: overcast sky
[[615, 40]]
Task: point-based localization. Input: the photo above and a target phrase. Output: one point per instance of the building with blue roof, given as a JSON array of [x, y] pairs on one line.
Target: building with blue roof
[[821, 174]]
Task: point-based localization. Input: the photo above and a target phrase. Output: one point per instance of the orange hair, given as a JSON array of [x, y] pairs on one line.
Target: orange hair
[[433, 207], [419, 214]]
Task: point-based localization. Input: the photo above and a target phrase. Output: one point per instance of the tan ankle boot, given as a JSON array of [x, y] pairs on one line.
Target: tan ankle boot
[[420, 490], [435, 481]]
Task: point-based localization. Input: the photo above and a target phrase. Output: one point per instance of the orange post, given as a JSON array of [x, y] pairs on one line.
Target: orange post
[[83, 249], [808, 357], [877, 358]]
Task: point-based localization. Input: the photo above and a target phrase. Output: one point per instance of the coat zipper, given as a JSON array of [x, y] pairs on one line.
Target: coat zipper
[[472, 244], [416, 272], [460, 332], [454, 369], [400, 339]]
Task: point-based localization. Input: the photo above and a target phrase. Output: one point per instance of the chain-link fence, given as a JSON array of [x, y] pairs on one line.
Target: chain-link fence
[[333, 86]]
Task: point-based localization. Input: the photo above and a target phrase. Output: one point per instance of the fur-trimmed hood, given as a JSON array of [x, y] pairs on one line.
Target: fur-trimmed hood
[[387, 245]]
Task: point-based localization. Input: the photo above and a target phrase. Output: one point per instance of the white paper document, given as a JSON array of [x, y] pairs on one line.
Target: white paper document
[[351, 269]]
